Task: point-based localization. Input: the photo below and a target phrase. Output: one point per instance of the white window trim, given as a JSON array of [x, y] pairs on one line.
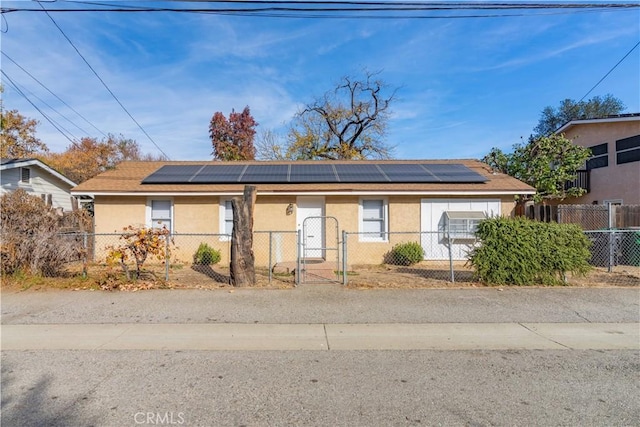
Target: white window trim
[[147, 219], [222, 209], [385, 217]]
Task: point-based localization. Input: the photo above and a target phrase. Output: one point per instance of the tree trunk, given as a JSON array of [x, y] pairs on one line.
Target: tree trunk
[[242, 268]]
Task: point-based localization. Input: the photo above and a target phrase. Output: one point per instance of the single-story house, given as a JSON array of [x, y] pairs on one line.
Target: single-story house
[[38, 179], [375, 198]]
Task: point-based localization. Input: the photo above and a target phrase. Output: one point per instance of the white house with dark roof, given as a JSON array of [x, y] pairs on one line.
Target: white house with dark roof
[[38, 179]]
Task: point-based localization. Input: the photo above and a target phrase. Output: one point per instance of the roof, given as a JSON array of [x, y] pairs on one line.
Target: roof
[[608, 119], [6, 164], [126, 180]]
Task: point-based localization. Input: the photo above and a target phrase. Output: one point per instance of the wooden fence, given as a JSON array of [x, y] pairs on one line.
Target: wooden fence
[[589, 217]]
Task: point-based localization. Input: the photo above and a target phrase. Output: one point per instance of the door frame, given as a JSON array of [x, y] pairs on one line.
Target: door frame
[[317, 202]]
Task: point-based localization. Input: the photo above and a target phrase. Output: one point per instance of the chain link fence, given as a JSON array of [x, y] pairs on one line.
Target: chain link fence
[[365, 259], [615, 250], [406, 257]]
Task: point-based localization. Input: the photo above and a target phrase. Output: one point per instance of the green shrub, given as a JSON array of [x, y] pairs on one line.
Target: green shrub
[[405, 254], [206, 255], [523, 252]]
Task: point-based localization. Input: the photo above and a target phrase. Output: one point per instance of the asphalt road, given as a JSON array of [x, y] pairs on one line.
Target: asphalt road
[[308, 388], [326, 304], [568, 387]]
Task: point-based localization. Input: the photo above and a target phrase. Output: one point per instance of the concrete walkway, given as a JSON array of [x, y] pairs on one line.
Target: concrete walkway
[[332, 337]]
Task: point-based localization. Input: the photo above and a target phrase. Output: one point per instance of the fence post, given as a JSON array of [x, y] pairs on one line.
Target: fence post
[[270, 251], [85, 261], [450, 241], [298, 255], [344, 258], [611, 251], [166, 258]]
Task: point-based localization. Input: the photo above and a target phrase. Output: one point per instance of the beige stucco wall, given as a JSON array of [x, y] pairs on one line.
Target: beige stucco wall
[[614, 182], [200, 215], [112, 214]]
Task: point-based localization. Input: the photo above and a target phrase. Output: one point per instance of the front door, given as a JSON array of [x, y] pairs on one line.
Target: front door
[[314, 233]]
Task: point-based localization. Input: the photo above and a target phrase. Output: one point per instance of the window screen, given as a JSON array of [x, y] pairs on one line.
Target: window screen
[[373, 220], [161, 213]]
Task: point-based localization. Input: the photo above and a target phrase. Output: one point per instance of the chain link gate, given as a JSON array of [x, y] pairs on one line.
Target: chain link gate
[[319, 250]]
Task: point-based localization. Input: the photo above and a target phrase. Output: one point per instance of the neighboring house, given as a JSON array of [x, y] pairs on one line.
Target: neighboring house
[[376, 197], [38, 179], [612, 174]]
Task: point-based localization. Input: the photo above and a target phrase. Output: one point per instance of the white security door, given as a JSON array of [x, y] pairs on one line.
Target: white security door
[[314, 233]]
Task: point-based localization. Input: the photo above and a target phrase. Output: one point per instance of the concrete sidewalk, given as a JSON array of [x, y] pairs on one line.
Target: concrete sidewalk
[[442, 336]]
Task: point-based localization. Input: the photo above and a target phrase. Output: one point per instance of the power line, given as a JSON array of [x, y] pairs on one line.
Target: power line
[[610, 71], [52, 109], [50, 120], [331, 9], [105, 85], [56, 96]]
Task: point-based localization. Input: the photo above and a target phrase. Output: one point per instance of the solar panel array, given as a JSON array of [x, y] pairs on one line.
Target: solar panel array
[[225, 173]]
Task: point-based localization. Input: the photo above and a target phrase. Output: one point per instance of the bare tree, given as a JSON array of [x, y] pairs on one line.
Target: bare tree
[[348, 122]]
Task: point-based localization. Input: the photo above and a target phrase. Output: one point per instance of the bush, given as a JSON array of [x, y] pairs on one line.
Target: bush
[[206, 255], [137, 244], [32, 240], [524, 252], [405, 254]]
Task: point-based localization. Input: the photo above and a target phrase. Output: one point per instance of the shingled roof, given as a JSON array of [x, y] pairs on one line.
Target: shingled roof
[[127, 177]]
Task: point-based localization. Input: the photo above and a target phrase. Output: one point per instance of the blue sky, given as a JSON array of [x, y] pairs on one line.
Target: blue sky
[[464, 85]]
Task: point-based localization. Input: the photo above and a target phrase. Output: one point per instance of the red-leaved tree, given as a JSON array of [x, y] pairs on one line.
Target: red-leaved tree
[[232, 139]]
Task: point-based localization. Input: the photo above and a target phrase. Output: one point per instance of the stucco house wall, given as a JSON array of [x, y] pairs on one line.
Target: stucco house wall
[[618, 183], [193, 217]]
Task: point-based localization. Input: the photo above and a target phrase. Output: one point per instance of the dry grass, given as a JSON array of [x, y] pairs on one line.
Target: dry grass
[[423, 275]]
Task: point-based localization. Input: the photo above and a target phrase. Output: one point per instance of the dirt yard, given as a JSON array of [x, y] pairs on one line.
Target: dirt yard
[[423, 275]]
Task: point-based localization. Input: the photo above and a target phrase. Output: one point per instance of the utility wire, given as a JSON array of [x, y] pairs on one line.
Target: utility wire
[[104, 84], [56, 96], [610, 71], [335, 9], [54, 110], [51, 121]]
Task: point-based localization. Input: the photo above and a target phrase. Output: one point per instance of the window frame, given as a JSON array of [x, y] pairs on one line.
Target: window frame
[[22, 174], [599, 158], [149, 212], [222, 219], [628, 150], [385, 220]]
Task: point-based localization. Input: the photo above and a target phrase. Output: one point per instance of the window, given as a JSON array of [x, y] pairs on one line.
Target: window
[[628, 150], [25, 175], [599, 156], [226, 218], [161, 214], [373, 220]]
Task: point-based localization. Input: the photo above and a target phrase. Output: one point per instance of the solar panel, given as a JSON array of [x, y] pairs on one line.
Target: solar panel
[[304, 173], [359, 173], [383, 172], [454, 173], [406, 173], [172, 174], [222, 173], [265, 174]]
